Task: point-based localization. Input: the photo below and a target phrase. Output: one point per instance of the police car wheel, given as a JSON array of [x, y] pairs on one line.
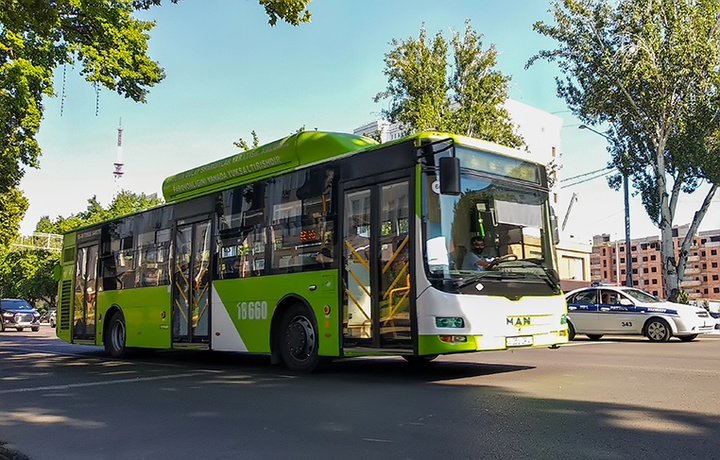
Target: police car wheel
[[658, 330]]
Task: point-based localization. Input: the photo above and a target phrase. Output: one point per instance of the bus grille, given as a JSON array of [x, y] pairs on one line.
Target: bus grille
[[65, 304]]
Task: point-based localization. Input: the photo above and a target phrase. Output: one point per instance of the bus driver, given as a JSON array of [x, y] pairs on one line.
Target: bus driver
[[477, 258]]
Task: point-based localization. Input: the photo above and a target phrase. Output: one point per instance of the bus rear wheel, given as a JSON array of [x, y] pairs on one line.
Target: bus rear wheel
[[299, 339], [114, 340]]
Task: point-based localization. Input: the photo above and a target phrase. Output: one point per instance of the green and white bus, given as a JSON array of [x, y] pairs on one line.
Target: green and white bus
[[323, 245]]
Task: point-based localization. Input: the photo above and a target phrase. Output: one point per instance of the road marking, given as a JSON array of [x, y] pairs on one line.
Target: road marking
[[591, 342], [95, 384]]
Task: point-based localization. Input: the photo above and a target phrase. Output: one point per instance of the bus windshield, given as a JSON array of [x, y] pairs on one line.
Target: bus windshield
[[510, 217]]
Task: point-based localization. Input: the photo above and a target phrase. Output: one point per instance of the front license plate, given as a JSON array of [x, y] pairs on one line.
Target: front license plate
[[524, 341]]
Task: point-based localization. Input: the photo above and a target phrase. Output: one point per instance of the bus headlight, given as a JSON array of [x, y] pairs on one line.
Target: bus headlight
[[455, 322]]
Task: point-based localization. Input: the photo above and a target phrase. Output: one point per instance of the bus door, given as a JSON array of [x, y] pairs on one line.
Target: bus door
[[376, 274], [85, 301], [191, 282]]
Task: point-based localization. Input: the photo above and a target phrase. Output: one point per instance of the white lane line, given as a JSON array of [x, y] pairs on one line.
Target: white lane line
[[94, 384]]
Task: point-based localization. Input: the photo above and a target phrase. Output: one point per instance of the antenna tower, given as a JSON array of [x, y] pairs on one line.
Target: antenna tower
[[118, 173]]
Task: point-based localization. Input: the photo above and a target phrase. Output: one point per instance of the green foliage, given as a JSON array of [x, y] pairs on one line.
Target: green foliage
[[649, 70], [124, 203], [468, 100], [417, 84], [109, 45], [28, 274], [241, 144], [12, 208], [683, 298], [291, 11]]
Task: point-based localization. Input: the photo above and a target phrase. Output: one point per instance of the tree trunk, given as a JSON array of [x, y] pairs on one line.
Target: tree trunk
[[674, 270]]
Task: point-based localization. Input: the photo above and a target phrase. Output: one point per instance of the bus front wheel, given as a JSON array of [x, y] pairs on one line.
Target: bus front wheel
[[299, 339], [114, 340]]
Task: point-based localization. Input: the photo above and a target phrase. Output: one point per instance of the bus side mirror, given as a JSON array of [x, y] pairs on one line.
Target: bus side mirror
[[57, 273], [449, 176]]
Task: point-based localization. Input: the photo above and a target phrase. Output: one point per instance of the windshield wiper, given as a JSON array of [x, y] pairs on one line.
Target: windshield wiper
[[494, 275]]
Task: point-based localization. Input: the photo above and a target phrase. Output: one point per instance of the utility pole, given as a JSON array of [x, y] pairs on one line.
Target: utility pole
[[626, 193]]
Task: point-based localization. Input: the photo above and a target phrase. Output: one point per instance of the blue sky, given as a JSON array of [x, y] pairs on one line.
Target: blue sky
[[229, 73]]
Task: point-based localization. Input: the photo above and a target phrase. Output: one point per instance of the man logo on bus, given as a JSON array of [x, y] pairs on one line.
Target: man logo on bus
[[518, 321]]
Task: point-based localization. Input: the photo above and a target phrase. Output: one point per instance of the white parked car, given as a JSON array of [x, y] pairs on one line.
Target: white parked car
[[716, 315], [599, 310]]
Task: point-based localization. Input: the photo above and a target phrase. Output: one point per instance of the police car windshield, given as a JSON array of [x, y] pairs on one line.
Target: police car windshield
[[641, 296]]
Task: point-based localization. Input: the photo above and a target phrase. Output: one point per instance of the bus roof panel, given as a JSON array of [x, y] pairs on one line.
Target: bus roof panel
[[283, 155]]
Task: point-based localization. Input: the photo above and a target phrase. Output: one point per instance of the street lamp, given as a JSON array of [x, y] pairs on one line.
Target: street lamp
[[626, 193]]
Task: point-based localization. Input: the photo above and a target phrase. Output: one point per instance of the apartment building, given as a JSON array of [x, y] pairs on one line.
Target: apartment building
[[701, 280]]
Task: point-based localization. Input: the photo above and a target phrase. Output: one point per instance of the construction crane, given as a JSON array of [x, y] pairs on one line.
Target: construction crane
[[573, 199]]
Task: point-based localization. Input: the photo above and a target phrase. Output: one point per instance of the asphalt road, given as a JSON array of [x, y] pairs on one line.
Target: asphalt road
[[612, 399]]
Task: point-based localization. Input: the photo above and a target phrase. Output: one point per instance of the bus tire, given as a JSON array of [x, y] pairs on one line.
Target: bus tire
[[594, 336], [114, 339], [658, 330], [298, 341]]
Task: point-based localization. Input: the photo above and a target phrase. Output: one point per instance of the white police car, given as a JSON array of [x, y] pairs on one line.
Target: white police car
[[599, 310]]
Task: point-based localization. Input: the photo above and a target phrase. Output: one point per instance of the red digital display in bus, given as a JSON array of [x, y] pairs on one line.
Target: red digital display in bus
[[308, 235]]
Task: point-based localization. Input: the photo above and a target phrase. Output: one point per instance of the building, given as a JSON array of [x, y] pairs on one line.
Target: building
[[541, 132], [701, 279], [381, 130]]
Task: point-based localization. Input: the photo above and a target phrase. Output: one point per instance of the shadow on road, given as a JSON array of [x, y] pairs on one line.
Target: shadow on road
[[181, 404]]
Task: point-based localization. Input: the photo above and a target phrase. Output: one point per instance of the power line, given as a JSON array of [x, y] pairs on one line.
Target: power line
[[603, 174], [586, 174]]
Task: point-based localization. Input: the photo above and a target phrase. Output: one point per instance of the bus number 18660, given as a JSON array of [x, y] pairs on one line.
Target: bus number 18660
[[252, 310]]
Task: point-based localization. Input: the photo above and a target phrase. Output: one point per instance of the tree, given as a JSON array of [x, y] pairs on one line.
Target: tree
[[28, 274], [648, 69], [103, 37], [468, 100], [124, 203], [12, 208], [242, 144]]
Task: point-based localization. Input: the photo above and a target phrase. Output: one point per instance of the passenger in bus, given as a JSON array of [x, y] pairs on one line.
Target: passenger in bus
[[324, 257], [478, 258]]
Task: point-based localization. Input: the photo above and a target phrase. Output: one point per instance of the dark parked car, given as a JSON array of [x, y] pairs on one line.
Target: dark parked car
[[18, 314]]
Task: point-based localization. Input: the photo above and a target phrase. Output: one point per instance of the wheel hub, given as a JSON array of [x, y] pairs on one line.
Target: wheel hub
[[300, 338]]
